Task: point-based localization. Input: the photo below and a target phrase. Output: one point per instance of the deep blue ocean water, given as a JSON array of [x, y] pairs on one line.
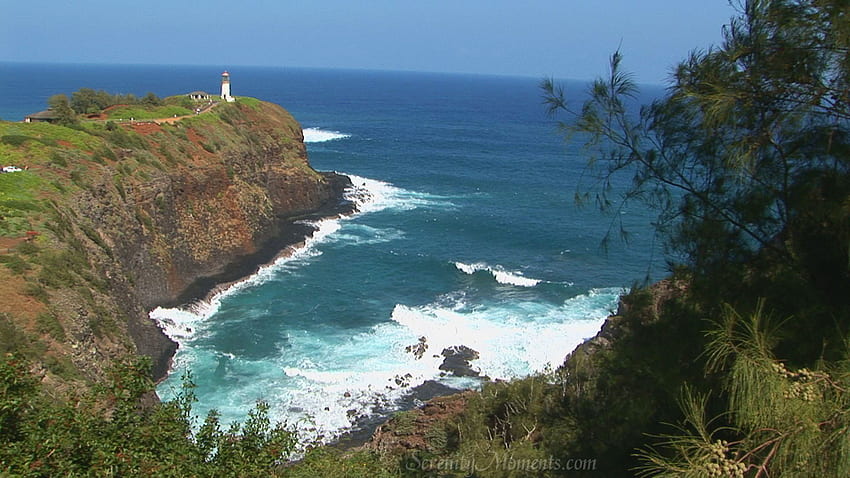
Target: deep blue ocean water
[[467, 235]]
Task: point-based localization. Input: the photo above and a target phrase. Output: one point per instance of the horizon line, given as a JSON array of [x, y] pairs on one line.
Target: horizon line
[[314, 68]]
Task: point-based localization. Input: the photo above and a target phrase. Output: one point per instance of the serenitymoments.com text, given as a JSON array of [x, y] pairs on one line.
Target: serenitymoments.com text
[[500, 462]]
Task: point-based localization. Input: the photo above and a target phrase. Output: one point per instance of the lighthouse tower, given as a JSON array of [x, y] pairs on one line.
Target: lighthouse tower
[[225, 87]]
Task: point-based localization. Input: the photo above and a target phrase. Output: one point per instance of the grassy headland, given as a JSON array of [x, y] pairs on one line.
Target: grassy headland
[[107, 219]]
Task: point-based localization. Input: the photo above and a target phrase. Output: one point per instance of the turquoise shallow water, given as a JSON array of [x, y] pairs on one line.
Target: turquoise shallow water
[[467, 235]]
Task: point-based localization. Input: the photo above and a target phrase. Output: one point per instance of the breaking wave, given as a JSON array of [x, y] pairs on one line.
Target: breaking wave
[[316, 135], [499, 273]]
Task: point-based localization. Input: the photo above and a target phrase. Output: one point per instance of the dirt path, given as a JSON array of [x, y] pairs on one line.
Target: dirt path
[[148, 126], [175, 119], [9, 244], [103, 116]]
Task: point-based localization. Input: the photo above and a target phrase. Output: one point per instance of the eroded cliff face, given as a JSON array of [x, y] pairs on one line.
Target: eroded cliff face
[[141, 213], [244, 174]]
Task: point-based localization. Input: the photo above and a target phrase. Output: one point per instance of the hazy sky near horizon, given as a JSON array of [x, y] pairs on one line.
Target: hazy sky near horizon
[[567, 39]]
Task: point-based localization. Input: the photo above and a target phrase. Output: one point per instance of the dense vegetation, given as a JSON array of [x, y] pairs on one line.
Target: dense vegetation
[[746, 160], [87, 101], [112, 432], [735, 366]]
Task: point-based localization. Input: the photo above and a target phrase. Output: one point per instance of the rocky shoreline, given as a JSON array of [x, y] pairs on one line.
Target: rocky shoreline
[[457, 362], [289, 233], [365, 429]]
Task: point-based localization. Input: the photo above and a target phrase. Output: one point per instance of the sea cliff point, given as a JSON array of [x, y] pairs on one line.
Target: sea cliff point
[[110, 215]]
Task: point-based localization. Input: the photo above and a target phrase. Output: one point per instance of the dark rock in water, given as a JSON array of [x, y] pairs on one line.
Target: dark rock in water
[[418, 349], [457, 361], [422, 393], [221, 369]]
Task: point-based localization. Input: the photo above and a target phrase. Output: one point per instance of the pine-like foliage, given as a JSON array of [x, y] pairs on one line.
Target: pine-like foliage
[[780, 422], [747, 161], [748, 155]]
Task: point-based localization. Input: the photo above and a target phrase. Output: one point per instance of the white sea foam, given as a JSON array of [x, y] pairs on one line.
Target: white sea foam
[[359, 234], [317, 135], [499, 273], [178, 324], [372, 369], [371, 195], [322, 385], [512, 339]]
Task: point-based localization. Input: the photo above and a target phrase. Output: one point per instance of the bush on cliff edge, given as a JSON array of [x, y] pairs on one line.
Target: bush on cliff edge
[[116, 431]]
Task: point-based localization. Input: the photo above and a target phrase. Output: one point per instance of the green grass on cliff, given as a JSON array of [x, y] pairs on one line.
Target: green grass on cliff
[[139, 112], [253, 103], [24, 144], [18, 201]]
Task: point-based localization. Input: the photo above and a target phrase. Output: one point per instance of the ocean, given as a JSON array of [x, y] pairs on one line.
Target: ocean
[[467, 234]]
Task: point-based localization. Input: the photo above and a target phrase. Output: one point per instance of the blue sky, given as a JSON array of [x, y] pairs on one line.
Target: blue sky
[[568, 39]]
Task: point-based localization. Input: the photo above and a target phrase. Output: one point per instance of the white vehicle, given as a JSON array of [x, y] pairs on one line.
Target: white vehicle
[[11, 169]]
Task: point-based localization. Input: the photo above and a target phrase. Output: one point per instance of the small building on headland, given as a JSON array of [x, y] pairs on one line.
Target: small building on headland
[[199, 96], [46, 116]]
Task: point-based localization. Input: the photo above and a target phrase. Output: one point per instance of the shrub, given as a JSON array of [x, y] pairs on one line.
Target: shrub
[[15, 139], [28, 248], [329, 463], [12, 340], [62, 268], [78, 178], [16, 263], [36, 291], [57, 159], [49, 324], [40, 436], [404, 423]]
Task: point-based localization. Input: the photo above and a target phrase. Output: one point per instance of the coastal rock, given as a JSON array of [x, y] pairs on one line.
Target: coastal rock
[[419, 428], [458, 360], [419, 349]]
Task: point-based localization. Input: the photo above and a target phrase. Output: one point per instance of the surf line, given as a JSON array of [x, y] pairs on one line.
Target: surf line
[[179, 323]]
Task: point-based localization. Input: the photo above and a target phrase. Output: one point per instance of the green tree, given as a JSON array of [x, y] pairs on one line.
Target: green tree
[[62, 108], [746, 158], [89, 101], [151, 99], [115, 431], [84, 101]]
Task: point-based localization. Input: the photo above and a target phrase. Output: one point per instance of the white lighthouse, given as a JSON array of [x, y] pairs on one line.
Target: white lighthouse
[[225, 87]]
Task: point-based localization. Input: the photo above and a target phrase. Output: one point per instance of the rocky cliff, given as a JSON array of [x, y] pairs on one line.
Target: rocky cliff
[[128, 216]]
